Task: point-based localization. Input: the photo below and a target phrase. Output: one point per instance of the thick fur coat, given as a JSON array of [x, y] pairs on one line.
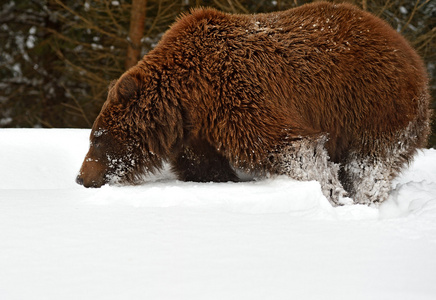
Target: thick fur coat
[[321, 92]]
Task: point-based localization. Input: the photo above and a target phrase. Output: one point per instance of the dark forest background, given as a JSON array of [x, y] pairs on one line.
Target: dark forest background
[[58, 56]]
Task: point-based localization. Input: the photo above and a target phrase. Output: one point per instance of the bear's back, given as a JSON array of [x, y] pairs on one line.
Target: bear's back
[[326, 67]]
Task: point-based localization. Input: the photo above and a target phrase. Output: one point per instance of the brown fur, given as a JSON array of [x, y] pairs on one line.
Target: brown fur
[[225, 91]]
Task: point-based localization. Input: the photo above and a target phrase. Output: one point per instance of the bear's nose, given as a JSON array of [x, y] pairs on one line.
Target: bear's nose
[[79, 180]]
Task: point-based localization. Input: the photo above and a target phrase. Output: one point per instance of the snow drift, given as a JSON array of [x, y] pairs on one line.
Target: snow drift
[[267, 239]]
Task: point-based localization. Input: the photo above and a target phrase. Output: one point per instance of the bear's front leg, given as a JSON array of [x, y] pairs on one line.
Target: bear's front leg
[[200, 162]]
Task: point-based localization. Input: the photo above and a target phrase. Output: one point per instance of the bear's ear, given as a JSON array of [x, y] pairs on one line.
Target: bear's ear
[[111, 84], [127, 88]]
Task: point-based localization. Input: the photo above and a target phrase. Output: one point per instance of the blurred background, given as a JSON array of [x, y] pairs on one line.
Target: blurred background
[[58, 56]]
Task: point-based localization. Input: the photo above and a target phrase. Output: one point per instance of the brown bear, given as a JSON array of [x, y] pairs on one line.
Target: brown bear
[[322, 92]]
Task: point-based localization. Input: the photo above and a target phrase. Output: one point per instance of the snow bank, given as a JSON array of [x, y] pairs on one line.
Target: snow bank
[[267, 239], [41, 159]]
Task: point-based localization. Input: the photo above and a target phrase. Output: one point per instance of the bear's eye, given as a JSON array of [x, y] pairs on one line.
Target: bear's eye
[[96, 143]]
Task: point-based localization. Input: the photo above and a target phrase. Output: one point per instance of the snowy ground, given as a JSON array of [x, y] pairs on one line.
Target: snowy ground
[[270, 239]]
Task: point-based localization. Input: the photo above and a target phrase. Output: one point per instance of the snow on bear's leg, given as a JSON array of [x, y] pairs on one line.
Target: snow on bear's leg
[[367, 179], [307, 159]]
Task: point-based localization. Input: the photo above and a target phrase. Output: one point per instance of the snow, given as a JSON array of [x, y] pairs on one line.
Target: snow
[[267, 239]]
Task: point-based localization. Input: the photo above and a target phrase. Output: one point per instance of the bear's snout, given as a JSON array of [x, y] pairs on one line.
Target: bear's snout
[[90, 183], [92, 174]]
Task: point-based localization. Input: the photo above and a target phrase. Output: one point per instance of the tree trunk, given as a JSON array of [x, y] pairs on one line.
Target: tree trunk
[[136, 31]]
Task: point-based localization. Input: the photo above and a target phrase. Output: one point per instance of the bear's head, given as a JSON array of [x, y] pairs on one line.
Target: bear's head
[[132, 134]]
